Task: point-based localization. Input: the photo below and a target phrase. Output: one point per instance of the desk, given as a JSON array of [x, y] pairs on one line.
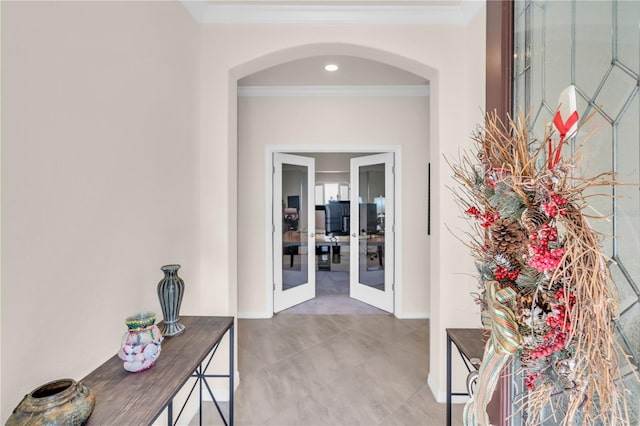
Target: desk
[[293, 238], [470, 343], [291, 242], [124, 398]]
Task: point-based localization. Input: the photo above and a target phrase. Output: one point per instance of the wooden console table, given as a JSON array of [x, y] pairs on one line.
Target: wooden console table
[[470, 343], [124, 398]]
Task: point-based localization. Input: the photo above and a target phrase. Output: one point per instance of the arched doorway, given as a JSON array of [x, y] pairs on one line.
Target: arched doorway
[[244, 233]]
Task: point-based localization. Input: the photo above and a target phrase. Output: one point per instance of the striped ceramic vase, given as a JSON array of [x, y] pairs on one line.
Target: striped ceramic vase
[[170, 291]]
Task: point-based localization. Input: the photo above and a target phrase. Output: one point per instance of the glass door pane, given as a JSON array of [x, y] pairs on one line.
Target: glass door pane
[[371, 202], [372, 218], [594, 45], [295, 216], [293, 230]]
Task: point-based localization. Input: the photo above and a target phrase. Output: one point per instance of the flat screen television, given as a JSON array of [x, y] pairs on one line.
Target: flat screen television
[[337, 218]]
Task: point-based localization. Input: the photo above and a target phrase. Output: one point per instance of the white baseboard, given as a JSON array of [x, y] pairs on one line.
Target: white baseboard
[[255, 315], [441, 396], [413, 315]]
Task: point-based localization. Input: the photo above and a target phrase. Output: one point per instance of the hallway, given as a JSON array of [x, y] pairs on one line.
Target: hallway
[[308, 370]]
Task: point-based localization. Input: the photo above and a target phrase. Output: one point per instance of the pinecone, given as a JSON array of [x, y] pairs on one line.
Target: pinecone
[[524, 301], [524, 309], [507, 260], [507, 236], [532, 219]]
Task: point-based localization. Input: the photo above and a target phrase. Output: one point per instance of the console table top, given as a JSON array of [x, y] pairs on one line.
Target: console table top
[[470, 341], [139, 398]]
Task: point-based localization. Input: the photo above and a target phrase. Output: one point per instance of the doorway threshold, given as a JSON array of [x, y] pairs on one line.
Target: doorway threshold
[[332, 298]]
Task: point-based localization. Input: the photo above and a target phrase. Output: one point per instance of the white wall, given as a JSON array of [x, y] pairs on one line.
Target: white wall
[[450, 57], [332, 122], [99, 178]]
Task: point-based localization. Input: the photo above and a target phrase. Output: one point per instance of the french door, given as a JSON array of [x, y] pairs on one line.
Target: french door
[[293, 230], [372, 230]]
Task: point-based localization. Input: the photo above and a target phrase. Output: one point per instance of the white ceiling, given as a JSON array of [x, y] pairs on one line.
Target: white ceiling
[[353, 71]]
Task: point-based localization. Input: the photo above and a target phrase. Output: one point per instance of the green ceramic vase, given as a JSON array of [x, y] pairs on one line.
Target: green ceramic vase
[[61, 402]]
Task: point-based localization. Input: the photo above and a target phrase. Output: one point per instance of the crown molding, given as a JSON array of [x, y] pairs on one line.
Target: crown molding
[[416, 90], [458, 13]]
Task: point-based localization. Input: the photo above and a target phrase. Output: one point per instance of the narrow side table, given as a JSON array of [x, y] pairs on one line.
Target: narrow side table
[[470, 344], [124, 398]]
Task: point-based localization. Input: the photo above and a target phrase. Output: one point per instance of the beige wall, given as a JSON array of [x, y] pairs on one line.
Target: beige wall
[[332, 123], [450, 57], [119, 154], [453, 273], [453, 276], [99, 178], [1, 416]]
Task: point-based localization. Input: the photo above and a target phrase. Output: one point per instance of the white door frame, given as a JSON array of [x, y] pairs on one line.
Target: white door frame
[[268, 223]]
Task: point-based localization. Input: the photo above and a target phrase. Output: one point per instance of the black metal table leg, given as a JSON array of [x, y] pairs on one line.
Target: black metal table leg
[[200, 380], [448, 380], [231, 374]]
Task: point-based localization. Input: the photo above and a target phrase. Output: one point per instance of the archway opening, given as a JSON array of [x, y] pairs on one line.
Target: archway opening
[[264, 298]]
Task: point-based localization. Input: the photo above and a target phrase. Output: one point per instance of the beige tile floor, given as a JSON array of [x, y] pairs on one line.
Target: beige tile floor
[[332, 297], [309, 370]]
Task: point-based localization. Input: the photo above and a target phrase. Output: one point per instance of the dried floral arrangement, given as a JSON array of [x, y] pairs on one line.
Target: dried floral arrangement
[[546, 293]]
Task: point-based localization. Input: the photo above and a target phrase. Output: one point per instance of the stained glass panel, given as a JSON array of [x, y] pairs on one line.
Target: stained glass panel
[[557, 51], [628, 46], [616, 91], [628, 203], [594, 45]]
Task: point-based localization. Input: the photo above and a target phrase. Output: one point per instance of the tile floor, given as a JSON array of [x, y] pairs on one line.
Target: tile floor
[[332, 297], [309, 370]]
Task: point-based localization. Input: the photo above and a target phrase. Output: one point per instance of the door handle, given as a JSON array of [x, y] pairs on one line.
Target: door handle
[[311, 235], [353, 235]]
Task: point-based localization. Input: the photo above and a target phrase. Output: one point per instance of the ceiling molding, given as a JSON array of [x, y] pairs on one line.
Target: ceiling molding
[[415, 90], [457, 13]]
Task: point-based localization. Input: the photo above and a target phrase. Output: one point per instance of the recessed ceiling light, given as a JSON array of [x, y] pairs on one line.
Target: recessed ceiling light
[[331, 67]]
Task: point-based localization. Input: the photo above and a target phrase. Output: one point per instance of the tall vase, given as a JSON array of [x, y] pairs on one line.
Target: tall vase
[[170, 291]]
